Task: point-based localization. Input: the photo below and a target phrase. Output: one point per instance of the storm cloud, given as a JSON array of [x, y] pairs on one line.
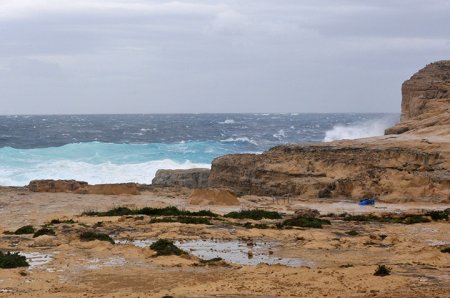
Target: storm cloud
[[137, 56]]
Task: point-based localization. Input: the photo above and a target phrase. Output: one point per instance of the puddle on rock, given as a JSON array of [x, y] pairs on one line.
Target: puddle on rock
[[36, 259], [233, 251]]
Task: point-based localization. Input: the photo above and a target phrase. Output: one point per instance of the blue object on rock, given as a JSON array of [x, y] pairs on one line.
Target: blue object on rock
[[366, 202]]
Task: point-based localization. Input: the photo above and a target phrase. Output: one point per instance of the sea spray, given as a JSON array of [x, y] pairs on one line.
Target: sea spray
[[360, 129]]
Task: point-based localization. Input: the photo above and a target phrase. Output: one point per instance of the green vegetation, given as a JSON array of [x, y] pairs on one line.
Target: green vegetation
[[304, 222], [24, 230], [382, 270], [167, 211], [91, 236], [44, 231], [12, 260], [438, 215], [446, 250], [352, 233], [58, 221], [405, 219], [211, 261], [254, 214], [183, 220], [249, 225], [164, 247]]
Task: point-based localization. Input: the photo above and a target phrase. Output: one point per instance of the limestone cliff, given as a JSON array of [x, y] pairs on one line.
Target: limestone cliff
[[411, 165]]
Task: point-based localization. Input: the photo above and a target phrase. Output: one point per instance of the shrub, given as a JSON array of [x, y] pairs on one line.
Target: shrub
[[352, 233], [382, 270], [254, 214], [438, 215], [24, 230], [91, 236], [164, 247], [166, 211], [184, 220], [304, 222], [446, 250], [44, 231], [12, 260], [58, 221]]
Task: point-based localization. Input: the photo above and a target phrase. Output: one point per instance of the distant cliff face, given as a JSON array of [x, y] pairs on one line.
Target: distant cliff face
[[426, 101], [412, 166]]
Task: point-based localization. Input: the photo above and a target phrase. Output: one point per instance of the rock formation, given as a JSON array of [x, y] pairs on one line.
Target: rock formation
[[413, 165], [191, 178], [222, 197], [80, 187]]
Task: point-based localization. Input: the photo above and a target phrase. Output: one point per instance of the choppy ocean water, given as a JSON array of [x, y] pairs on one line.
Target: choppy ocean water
[[131, 148]]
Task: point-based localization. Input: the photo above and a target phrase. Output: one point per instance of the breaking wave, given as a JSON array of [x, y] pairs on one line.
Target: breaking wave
[[357, 130]]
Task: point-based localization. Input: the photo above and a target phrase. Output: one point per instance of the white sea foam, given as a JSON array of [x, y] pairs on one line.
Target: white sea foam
[[92, 173], [241, 140], [370, 128], [227, 121], [281, 134]]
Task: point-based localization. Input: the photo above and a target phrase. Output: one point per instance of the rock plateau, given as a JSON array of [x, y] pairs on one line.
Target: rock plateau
[[410, 163]]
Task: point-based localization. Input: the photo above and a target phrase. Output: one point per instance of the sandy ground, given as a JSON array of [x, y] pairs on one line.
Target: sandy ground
[[339, 265]]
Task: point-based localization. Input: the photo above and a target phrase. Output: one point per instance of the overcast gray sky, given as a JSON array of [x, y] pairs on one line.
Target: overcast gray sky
[[154, 56]]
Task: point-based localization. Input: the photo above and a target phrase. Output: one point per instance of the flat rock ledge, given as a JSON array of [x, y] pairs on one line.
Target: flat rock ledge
[[81, 187]]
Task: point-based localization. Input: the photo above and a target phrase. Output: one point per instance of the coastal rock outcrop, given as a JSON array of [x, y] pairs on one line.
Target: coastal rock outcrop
[[426, 102], [411, 166], [81, 187], [213, 196], [191, 178]]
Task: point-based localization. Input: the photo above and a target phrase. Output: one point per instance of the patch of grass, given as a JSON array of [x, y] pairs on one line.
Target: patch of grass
[[446, 250], [413, 219], [164, 247], [167, 211], [405, 219], [254, 214], [44, 231], [211, 261], [12, 260], [352, 233], [262, 226], [58, 221], [91, 236], [183, 220], [304, 222], [24, 230], [382, 270], [438, 215]]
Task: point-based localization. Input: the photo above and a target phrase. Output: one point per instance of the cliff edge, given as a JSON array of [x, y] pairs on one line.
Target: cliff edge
[[410, 163]]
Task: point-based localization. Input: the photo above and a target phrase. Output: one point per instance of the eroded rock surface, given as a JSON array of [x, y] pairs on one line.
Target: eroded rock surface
[[191, 178], [81, 187], [221, 197], [412, 166]]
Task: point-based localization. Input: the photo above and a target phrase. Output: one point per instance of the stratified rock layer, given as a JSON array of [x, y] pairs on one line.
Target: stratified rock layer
[[191, 178], [413, 165], [80, 187]]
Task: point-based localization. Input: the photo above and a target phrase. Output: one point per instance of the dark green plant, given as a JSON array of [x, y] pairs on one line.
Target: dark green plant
[[183, 220], [446, 250], [91, 236], [438, 215], [24, 230], [44, 231], [211, 261], [164, 247], [58, 221], [12, 260], [166, 211], [254, 214], [382, 270], [352, 233], [304, 222]]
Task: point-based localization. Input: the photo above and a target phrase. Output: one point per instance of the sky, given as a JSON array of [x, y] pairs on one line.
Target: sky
[[214, 56]]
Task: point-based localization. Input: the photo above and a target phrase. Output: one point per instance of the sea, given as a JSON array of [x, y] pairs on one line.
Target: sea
[[131, 148]]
